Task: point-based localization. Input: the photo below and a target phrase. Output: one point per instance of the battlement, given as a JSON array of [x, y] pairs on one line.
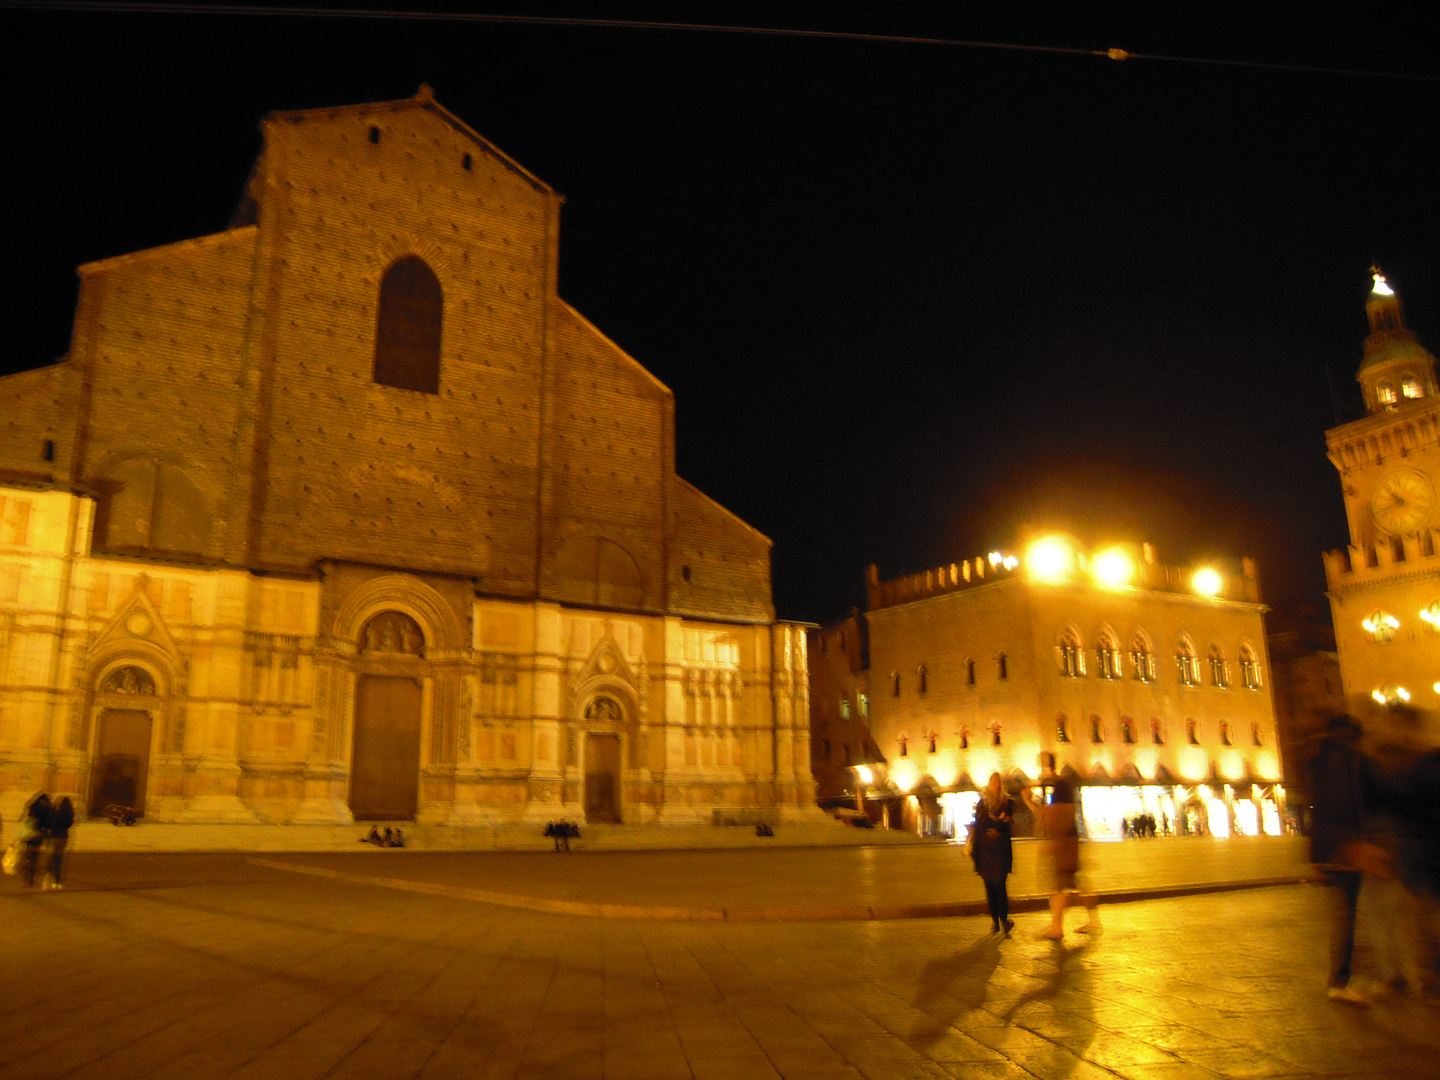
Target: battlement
[[1363, 564]]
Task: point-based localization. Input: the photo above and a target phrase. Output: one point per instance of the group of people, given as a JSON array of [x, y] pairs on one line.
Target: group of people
[[44, 833], [561, 832], [389, 838], [1375, 829], [1143, 826], [990, 844]]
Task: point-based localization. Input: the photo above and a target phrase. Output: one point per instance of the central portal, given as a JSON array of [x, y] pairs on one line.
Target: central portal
[[385, 771], [602, 778]]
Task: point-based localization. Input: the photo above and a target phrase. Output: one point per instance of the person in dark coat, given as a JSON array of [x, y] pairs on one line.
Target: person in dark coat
[[62, 817], [33, 825], [1344, 784], [992, 850]]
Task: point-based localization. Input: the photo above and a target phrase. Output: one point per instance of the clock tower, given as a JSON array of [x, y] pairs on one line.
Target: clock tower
[[1385, 586]]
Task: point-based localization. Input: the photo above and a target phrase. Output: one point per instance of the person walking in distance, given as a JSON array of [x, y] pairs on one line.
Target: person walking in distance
[[62, 818], [1054, 810], [1343, 783], [992, 851]]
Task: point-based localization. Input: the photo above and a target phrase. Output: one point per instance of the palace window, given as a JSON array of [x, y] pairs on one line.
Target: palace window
[[1127, 730], [1187, 667], [407, 333], [1157, 731], [1062, 729], [904, 741], [1142, 660], [1097, 729], [1225, 733], [922, 682], [1249, 668], [865, 705], [934, 739], [1219, 670], [1255, 733], [1192, 732], [1002, 665], [1108, 656], [969, 672], [845, 708], [995, 734], [1070, 655], [895, 683], [1381, 627], [964, 736]]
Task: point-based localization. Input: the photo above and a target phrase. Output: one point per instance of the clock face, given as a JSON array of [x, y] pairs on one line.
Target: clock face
[[1401, 501]]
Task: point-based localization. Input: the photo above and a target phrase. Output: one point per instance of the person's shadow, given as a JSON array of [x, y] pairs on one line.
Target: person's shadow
[[954, 985]]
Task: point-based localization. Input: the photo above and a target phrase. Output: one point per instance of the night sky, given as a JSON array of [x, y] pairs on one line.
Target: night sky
[[913, 299]]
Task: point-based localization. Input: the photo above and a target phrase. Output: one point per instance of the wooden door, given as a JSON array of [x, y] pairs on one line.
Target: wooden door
[[122, 761], [385, 767], [602, 778]]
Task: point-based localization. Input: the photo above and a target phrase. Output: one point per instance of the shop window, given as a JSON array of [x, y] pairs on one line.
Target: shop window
[[407, 333], [1249, 668], [1219, 670], [1097, 729], [1062, 728], [1070, 655], [1127, 730]]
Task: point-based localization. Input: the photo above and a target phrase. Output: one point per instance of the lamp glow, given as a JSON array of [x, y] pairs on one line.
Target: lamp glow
[[1381, 289], [864, 773], [1207, 581], [1113, 569], [1050, 559], [904, 775]]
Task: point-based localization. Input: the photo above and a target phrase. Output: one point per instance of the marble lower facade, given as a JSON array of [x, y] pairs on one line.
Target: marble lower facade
[[217, 694]]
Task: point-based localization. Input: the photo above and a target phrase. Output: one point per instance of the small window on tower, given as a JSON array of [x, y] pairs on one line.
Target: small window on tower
[[1385, 392], [1410, 387]]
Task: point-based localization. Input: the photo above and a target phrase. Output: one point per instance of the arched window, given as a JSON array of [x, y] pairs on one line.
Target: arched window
[[1070, 655], [407, 332], [1225, 733], [922, 681], [1381, 627], [1002, 665], [1187, 667], [1219, 670], [904, 741], [1411, 387], [1385, 392], [895, 683], [995, 733], [1062, 728], [1249, 668], [933, 739], [1127, 730], [969, 672], [1192, 732], [1255, 733], [1097, 729], [1107, 653], [964, 736], [1142, 660], [1157, 731]]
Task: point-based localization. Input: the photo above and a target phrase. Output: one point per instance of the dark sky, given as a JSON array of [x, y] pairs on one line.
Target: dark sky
[[912, 299]]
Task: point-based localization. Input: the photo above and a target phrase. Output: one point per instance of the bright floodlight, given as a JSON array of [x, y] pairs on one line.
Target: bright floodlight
[[864, 773], [1050, 559], [1380, 287], [1114, 569], [1207, 581]]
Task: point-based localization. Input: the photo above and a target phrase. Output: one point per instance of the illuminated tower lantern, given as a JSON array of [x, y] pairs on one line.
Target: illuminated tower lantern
[[342, 513], [1385, 586], [1149, 683]]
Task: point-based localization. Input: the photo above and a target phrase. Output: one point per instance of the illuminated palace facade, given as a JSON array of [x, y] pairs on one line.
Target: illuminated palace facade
[[1149, 683], [1385, 586], [342, 513]]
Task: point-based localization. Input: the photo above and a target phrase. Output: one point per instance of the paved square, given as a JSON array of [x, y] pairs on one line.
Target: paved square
[[212, 966]]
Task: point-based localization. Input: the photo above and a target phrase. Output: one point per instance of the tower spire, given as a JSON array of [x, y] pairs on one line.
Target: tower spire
[[1395, 368]]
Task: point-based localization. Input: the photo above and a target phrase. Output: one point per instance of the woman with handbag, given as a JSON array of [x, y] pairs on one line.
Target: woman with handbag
[[992, 851]]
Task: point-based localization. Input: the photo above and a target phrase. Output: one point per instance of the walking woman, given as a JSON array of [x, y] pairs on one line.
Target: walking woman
[[992, 850]]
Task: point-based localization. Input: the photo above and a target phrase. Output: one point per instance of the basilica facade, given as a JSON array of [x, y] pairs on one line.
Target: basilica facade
[[343, 514]]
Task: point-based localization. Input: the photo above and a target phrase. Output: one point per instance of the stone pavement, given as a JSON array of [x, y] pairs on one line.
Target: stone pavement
[[201, 966]]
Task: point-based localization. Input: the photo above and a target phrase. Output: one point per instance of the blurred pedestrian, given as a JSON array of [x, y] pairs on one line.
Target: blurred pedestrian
[[62, 818], [1054, 810], [31, 835], [992, 850], [1343, 782]]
